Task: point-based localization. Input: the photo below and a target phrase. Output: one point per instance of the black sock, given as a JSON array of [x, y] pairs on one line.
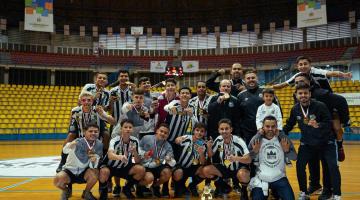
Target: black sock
[[196, 180], [339, 143], [103, 186], [63, 158], [207, 181]]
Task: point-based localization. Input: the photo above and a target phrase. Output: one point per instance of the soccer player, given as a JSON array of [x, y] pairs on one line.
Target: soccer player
[[237, 84], [122, 161], [100, 93], [158, 158], [81, 164], [191, 161], [271, 148], [317, 139], [165, 98], [120, 94], [201, 102], [234, 160]]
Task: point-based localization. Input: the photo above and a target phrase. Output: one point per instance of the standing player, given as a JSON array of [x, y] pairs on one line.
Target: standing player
[[319, 78], [98, 90], [271, 150], [81, 164], [122, 161], [317, 139], [201, 102], [237, 84], [234, 160], [165, 98]]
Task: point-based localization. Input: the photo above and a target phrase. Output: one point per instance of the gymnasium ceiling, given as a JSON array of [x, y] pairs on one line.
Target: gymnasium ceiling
[[174, 13]]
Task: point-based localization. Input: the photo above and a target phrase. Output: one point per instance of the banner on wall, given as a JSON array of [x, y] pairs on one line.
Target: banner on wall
[[39, 15], [311, 13], [190, 66], [353, 99], [158, 66]]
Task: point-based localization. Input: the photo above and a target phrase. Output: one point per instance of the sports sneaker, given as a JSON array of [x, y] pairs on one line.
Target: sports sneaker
[[314, 189], [165, 191], [303, 196], [341, 154], [156, 191], [65, 194], [337, 197], [193, 190], [127, 192], [116, 191], [325, 196], [87, 195]]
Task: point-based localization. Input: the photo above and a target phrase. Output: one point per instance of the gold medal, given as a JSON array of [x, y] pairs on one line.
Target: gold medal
[[227, 162], [306, 120], [195, 161], [157, 161], [201, 111]]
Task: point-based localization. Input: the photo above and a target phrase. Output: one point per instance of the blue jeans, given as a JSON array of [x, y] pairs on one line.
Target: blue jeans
[[282, 187]]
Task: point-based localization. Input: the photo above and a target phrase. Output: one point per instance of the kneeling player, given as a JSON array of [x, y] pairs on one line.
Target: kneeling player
[[231, 159], [122, 161], [158, 158], [81, 163], [191, 161], [272, 150]]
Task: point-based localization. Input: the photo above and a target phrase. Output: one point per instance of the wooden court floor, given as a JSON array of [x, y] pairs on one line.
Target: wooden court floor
[[30, 187]]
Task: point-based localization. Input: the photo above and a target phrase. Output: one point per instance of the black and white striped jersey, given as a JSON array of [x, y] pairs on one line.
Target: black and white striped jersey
[[123, 96], [120, 148], [318, 78], [236, 147], [103, 100], [200, 108], [188, 151], [178, 122], [80, 119]]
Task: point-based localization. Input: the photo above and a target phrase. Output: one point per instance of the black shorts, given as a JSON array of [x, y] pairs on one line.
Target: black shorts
[[122, 172], [157, 170], [76, 178], [227, 173], [188, 172]]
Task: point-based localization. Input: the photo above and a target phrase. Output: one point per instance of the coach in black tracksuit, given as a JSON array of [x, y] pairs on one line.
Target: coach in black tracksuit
[[250, 99], [223, 106], [317, 138]]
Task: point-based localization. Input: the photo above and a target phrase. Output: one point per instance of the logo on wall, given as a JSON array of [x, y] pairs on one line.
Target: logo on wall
[[30, 167]]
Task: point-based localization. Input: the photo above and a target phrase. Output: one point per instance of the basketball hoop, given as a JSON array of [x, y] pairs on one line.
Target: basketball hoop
[[137, 31]]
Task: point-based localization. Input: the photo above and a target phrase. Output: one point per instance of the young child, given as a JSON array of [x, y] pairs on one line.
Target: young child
[[268, 108]]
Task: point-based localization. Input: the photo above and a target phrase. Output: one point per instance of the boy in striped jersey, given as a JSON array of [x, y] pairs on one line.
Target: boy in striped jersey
[[234, 160], [122, 160], [120, 94], [101, 94], [83, 115], [158, 158], [191, 161]]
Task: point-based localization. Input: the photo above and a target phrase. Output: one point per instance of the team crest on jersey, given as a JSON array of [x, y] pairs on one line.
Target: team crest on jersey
[[260, 95], [231, 104], [272, 155], [246, 99], [298, 117]]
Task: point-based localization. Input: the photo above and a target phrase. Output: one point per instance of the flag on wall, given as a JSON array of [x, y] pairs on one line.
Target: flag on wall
[[311, 13], [158, 66], [39, 15], [190, 66]]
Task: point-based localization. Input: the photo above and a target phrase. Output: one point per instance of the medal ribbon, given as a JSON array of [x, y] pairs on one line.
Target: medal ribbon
[[88, 145], [303, 111]]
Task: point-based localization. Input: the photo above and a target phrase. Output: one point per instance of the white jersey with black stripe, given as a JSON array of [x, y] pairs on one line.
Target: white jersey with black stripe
[[188, 152], [123, 97], [237, 147], [200, 108], [120, 148], [178, 122], [104, 98]]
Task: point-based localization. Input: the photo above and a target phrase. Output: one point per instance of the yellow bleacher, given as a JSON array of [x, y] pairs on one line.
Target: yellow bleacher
[[346, 86], [36, 109]]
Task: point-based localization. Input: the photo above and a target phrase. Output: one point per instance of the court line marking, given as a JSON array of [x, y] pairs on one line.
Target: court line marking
[[17, 184]]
